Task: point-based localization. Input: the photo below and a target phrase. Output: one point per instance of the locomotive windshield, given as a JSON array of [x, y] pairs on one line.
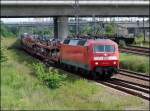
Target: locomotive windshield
[[104, 48]]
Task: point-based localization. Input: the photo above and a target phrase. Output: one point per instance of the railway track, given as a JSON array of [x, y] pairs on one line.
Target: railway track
[[136, 50], [128, 87], [131, 82], [135, 73], [125, 85]]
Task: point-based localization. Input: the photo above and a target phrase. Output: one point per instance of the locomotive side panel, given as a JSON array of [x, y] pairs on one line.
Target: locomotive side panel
[[75, 56]]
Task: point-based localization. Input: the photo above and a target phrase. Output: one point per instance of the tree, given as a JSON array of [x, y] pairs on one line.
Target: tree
[[5, 30], [111, 28], [87, 30]]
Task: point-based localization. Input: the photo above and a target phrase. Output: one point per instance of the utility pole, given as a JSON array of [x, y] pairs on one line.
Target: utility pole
[[18, 34], [117, 27], [94, 27], [20, 29], [143, 29], [138, 27], [76, 9]]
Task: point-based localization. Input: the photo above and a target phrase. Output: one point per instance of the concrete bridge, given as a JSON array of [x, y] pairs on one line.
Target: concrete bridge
[[47, 8], [62, 9]]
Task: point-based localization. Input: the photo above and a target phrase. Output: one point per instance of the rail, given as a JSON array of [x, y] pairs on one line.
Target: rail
[[136, 50]]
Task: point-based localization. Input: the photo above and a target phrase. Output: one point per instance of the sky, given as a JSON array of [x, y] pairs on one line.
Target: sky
[[10, 20], [6, 20]]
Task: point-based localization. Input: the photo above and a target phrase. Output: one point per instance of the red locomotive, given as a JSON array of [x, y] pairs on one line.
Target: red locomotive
[[98, 56]]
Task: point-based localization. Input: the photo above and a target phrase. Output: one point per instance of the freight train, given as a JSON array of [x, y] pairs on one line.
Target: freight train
[[97, 57]]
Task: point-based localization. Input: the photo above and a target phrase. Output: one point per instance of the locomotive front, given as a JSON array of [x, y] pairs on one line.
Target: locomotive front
[[104, 57]]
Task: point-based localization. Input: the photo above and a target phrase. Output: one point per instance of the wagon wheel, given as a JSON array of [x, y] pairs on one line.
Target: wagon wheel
[[76, 69], [95, 76], [85, 73], [108, 76]]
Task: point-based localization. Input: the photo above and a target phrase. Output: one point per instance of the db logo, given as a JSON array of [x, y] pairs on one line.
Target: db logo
[[105, 54]]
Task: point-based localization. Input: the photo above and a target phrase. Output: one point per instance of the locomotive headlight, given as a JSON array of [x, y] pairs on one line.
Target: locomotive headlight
[[96, 63], [115, 62]]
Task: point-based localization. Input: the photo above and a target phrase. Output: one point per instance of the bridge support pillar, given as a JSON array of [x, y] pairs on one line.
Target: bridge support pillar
[[60, 27]]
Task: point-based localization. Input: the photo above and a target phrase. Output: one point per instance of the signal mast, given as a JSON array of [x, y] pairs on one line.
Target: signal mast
[[76, 9]]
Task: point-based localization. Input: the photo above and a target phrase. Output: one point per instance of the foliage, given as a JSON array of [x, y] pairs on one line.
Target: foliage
[[42, 31], [3, 57], [87, 30], [135, 63], [5, 31], [111, 28], [139, 40], [15, 31], [122, 43], [51, 78]]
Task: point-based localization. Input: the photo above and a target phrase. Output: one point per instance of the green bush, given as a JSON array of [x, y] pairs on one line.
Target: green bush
[[135, 63], [50, 77]]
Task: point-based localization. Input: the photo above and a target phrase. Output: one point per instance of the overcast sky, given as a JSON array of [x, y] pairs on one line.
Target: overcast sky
[[24, 19], [6, 20]]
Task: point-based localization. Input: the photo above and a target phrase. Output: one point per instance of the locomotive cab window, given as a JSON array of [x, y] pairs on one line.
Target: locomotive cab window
[[104, 48], [66, 41], [73, 42], [82, 42]]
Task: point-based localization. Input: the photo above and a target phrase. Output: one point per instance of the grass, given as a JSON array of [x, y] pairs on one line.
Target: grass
[[134, 62], [52, 78], [21, 89]]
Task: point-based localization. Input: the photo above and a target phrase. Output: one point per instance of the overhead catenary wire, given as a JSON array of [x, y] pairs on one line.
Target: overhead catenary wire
[[76, 13]]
